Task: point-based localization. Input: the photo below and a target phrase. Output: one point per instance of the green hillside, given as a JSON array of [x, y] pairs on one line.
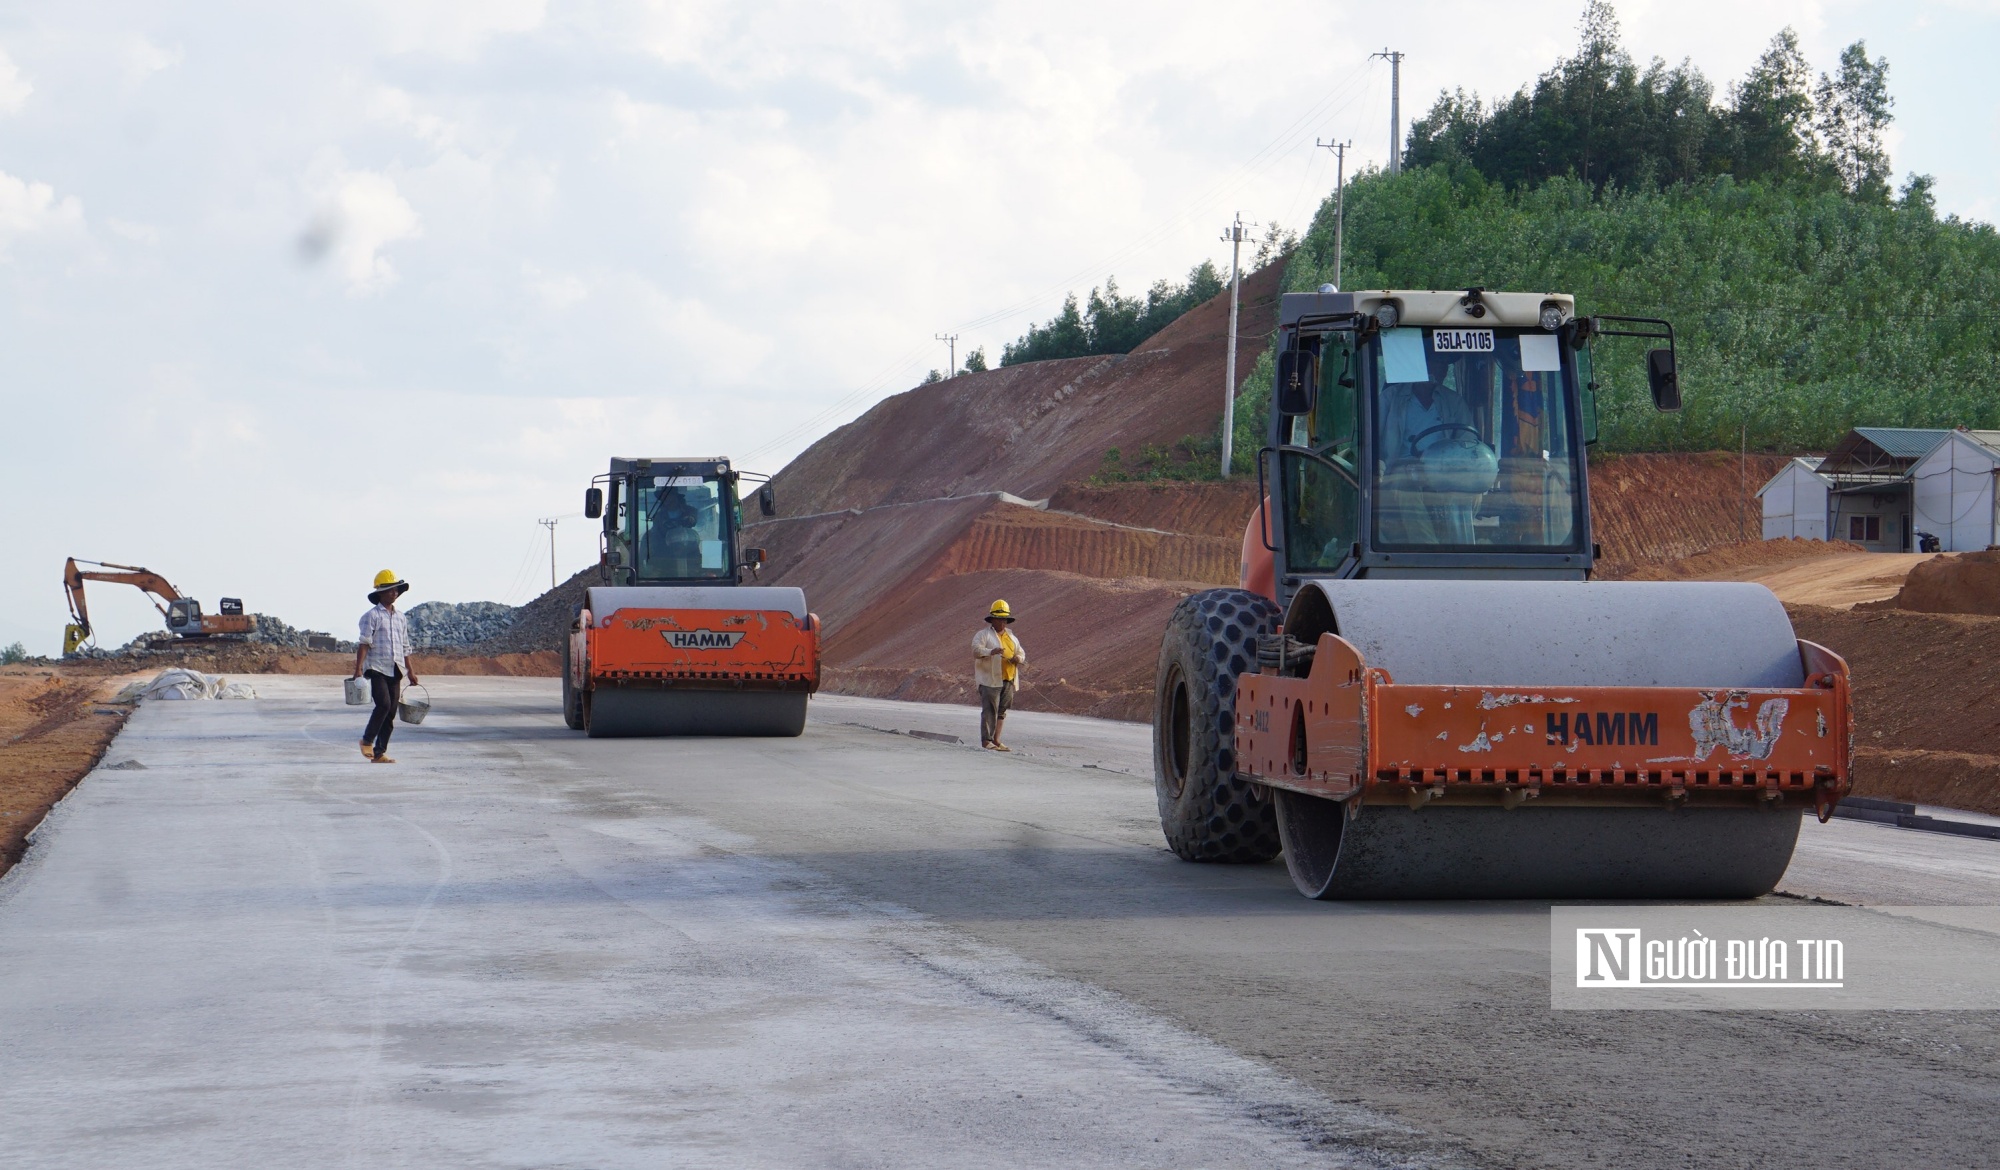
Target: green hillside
[[1802, 311]]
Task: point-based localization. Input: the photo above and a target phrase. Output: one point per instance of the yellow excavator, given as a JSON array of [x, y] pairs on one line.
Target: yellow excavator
[[183, 614]]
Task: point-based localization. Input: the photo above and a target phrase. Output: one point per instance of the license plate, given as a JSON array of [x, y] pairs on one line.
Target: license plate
[[1462, 341]]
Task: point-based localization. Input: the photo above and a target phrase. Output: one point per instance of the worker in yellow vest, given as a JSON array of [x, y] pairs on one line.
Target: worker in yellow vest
[[997, 659]]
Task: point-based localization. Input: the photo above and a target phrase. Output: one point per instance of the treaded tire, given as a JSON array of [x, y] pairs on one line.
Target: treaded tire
[[1206, 813]]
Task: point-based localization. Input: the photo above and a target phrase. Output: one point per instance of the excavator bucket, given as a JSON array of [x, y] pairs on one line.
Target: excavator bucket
[[1522, 739]]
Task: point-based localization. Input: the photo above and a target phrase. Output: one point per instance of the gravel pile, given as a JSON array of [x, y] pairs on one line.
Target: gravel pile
[[443, 623], [277, 632], [542, 624]]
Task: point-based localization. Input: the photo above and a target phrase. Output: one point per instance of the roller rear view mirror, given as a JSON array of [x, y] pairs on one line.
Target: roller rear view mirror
[[1298, 378], [1664, 379]]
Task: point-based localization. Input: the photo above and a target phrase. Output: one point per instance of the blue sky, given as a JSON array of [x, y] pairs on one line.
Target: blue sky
[[292, 293]]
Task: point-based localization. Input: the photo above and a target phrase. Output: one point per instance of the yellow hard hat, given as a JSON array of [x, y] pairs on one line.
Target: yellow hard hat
[[1000, 611], [385, 581]]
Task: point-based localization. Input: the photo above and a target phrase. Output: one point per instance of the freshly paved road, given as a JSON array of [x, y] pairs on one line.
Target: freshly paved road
[[518, 947]]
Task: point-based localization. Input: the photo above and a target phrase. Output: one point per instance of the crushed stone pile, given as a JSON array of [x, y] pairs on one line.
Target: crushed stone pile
[[542, 624], [444, 623]]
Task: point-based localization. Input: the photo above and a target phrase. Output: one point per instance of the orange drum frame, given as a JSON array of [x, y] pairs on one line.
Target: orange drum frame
[[697, 649], [1349, 732]]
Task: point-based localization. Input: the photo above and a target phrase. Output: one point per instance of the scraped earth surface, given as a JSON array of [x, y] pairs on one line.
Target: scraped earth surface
[[54, 727], [862, 947]]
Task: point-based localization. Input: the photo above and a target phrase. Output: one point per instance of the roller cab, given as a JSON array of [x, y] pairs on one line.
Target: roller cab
[[1420, 692], [679, 640]]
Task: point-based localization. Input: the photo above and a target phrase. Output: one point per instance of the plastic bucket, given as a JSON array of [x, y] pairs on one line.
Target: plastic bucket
[[357, 691], [413, 708]]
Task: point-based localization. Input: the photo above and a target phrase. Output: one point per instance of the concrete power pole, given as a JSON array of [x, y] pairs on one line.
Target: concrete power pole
[[1339, 150], [1236, 233], [951, 344], [551, 526], [1395, 60]]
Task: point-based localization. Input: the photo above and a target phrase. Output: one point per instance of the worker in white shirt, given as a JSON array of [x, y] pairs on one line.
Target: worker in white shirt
[[997, 658], [384, 654]]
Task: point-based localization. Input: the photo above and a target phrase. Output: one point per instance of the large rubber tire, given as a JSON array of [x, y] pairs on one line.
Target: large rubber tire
[[572, 700], [1207, 813]]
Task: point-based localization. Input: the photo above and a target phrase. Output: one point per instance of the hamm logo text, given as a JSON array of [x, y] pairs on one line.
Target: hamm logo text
[[702, 639]]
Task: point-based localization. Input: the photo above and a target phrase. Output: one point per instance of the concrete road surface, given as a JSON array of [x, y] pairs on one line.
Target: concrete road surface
[[238, 944]]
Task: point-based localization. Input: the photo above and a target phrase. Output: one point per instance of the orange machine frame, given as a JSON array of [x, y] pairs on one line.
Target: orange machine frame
[[701, 649], [1349, 730]]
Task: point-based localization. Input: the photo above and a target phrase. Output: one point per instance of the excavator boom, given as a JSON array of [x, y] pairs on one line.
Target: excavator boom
[[183, 614]]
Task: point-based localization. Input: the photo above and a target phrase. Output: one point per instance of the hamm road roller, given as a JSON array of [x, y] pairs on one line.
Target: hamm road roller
[[674, 641], [1420, 692]]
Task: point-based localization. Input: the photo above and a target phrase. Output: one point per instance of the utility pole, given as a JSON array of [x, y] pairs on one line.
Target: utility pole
[[550, 524], [1339, 150], [951, 342], [1236, 233], [1395, 60]]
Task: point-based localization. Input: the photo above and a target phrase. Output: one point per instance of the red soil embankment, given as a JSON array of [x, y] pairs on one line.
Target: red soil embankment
[[1007, 536], [1030, 429], [54, 727], [1666, 507], [1736, 561], [1926, 701], [1210, 509], [1092, 644]]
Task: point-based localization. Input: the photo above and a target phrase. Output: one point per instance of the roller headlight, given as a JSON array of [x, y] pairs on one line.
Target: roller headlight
[[1386, 315], [1552, 316]]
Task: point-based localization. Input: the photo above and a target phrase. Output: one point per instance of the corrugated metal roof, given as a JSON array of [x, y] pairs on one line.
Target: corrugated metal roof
[[1986, 439], [1903, 442]]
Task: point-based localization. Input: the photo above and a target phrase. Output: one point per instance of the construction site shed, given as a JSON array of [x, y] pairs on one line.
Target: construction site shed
[[1795, 502], [1870, 501], [1953, 491]]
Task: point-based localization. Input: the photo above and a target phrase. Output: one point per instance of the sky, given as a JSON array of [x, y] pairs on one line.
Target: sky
[[293, 293]]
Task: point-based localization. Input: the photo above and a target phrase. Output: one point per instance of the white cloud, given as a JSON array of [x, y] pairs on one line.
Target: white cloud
[[28, 208], [14, 88], [359, 214]]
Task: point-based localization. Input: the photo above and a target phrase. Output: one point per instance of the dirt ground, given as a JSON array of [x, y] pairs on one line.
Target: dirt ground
[[54, 727], [1926, 701]]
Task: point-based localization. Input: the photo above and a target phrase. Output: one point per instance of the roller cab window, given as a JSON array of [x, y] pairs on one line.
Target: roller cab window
[[1472, 441], [678, 528], [1317, 467]]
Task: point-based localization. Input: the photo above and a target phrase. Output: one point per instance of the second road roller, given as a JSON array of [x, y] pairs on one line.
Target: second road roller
[[1419, 691], [677, 639]]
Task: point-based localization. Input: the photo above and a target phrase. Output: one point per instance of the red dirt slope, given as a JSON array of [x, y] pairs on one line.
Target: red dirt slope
[[1030, 429], [1212, 509], [1665, 507], [1092, 644]]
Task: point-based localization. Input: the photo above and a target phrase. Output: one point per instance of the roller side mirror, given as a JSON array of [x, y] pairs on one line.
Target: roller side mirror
[[767, 503], [593, 503], [1664, 379], [1298, 378]]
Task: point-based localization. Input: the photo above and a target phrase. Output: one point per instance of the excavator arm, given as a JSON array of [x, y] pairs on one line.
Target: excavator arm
[[73, 578]]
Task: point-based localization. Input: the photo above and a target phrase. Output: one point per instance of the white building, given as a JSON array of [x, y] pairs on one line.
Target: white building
[[1795, 502], [1953, 491]]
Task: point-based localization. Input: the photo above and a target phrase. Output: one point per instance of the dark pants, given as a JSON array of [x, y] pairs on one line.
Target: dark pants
[[387, 689], [994, 703]]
